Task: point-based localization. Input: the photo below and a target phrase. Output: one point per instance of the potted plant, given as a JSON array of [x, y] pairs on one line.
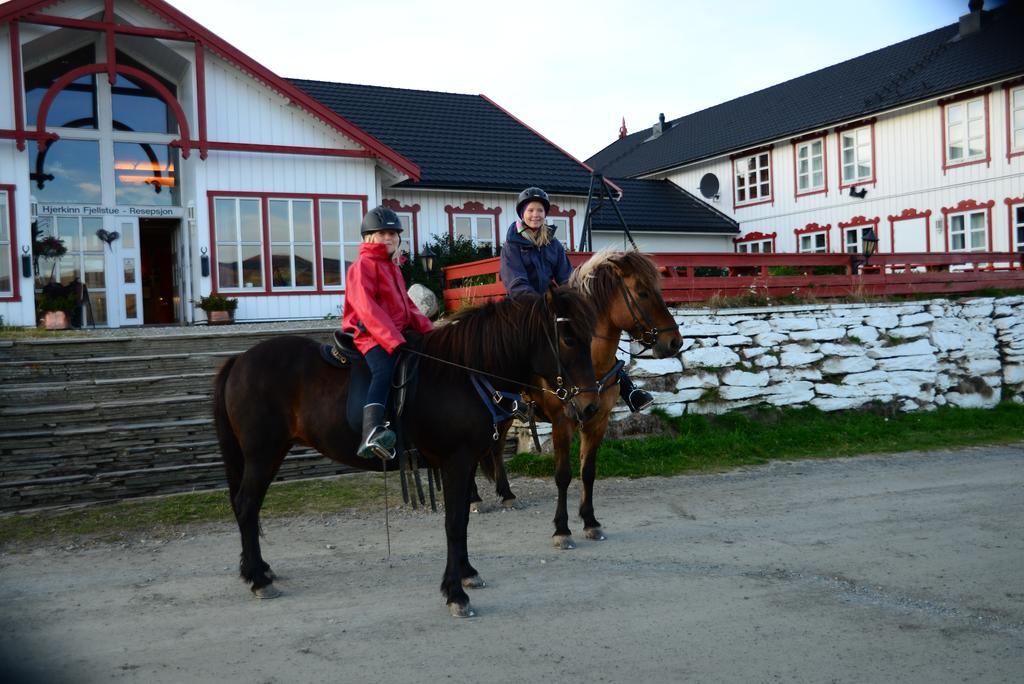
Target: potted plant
[[219, 310], [54, 307]]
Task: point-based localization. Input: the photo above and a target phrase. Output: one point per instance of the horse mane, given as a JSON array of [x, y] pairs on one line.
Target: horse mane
[[501, 336], [598, 277]]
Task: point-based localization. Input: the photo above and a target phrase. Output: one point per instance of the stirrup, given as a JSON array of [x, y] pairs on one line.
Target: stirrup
[[638, 400], [380, 443]]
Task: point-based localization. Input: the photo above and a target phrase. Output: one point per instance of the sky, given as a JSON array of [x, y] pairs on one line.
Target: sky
[[571, 69]]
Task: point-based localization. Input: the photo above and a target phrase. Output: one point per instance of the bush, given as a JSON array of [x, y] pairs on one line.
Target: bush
[[447, 251], [217, 303]]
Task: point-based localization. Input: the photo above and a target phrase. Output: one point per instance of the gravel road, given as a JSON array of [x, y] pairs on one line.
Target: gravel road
[[897, 568]]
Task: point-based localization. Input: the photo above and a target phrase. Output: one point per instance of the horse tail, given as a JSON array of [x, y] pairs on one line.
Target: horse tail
[[230, 449]]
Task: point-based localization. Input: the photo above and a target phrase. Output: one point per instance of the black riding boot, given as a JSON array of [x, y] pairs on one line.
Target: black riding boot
[[636, 399], [378, 440]]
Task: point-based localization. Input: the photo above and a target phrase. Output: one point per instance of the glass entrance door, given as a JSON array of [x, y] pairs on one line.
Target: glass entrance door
[[125, 269]]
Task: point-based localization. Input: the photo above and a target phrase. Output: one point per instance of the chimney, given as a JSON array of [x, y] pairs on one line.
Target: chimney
[[658, 127], [622, 129], [971, 23]]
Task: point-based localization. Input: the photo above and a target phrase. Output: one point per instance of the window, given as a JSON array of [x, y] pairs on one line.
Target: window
[[292, 256], [75, 105], [967, 232], [755, 247], [966, 131], [813, 242], [238, 226], [7, 256], [340, 238], [479, 229], [83, 261], [810, 167], [408, 241], [753, 178], [561, 224], [1017, 227], [1015, 121], [853, 239], [856, 155], [67, 171], [145, 174]]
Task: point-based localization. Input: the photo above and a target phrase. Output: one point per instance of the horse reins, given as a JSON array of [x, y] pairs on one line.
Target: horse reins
[[642, 323]]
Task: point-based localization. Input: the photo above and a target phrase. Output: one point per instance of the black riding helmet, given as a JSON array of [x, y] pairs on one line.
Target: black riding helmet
[[380, 218], [532, 195]]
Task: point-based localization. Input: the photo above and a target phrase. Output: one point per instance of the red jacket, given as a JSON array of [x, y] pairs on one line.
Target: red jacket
[[375, 297]]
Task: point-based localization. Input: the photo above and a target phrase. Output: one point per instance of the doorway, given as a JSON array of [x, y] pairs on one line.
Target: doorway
[[160, 295]]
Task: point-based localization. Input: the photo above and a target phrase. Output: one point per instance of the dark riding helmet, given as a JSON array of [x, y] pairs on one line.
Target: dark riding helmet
[[380, 218], [532, 195]]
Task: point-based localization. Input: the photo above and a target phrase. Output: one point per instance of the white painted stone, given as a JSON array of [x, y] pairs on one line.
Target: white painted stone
[[946, 341], [832, 349], [795, 358], [656, 366], [766, 361], [836, 403], [688, 395], [745, 379], [910, 349], [770, 339], [981, 309], [1013, 375], [674, 410], [909, 406], [910, 332], [882, 319], [847, 364], [687, 343], [708, 330], [424, 299], [698, 379], [898, 363], [753, 327], [787, 323], [787, 375], [910, 320], [707, 341], [865, 378], [972, 400], [983, 366], [1006, 323], [820, 334], [871, 390], [729, 392], [796, 393], [751, 352], [733, 340], [864, 333], [716, 357]]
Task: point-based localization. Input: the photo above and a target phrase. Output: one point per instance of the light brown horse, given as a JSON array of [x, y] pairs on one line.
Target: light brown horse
[[625, 289]]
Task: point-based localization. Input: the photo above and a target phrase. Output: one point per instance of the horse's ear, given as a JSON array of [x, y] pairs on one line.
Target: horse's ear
[[549, 296]]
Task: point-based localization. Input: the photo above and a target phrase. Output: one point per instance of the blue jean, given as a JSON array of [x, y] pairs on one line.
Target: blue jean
[[382, 367]]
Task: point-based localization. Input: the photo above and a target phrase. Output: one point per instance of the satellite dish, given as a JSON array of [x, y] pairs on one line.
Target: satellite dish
[[709, 185]]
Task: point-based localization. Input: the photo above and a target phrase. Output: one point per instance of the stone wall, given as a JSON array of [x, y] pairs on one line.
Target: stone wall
[[914, 356]]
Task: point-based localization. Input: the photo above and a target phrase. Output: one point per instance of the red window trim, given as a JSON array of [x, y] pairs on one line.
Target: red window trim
[[556, 211], [1010, 202], [963, 207], [874, 153], [14, 255], [1008, 89], [771, 177], [962, 97], [755, 237], [414, 209], [855, 222], [796, 142], [472, 208], [814, 228], [908, 214], [265, 197]]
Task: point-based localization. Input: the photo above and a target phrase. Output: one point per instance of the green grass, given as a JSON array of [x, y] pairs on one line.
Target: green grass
[[697, 443], [160, 515]]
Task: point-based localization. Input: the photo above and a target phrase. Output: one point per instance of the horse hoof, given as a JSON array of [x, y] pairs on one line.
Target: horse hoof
[[474, 582], [509, 504], [461, 611], [474, 507], [563, 542], [267, 592], [594, 534]]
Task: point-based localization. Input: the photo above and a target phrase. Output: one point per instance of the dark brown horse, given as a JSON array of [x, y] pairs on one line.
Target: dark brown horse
[[281, 393], [625, 289]]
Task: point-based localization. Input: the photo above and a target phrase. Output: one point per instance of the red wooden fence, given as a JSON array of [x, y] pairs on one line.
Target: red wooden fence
[[733, 275]]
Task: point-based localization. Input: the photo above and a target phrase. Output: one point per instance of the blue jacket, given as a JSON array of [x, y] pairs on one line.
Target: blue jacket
[[527, 268]]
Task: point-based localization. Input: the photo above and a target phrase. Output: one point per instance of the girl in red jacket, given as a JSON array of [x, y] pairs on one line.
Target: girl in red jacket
[[377, 308]]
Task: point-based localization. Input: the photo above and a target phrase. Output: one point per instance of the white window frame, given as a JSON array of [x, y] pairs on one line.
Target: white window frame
[[758, 164], [853, 238], [964, 127], [754, 247], [336, 247], [10, 260], [292, 243], [407, 234], [1017, 226], [562, 232], [859, 142], [474, 229], [1016, 122], [239, 243], [809, 173], [819, 238], [965, 230]]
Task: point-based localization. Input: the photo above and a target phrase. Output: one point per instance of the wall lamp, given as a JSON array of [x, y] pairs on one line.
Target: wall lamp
[[869, 242], [859, 194]]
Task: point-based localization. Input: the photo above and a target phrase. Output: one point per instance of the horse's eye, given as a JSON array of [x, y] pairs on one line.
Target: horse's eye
[[643, 294], [569, 340]]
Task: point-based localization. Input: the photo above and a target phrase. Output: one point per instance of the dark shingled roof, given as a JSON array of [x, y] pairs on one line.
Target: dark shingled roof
[[463, 142], [917, 69], [661, 205]]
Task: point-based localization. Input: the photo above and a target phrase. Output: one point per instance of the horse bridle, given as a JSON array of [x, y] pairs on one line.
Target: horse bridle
[[567, 395], [644, 332]]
